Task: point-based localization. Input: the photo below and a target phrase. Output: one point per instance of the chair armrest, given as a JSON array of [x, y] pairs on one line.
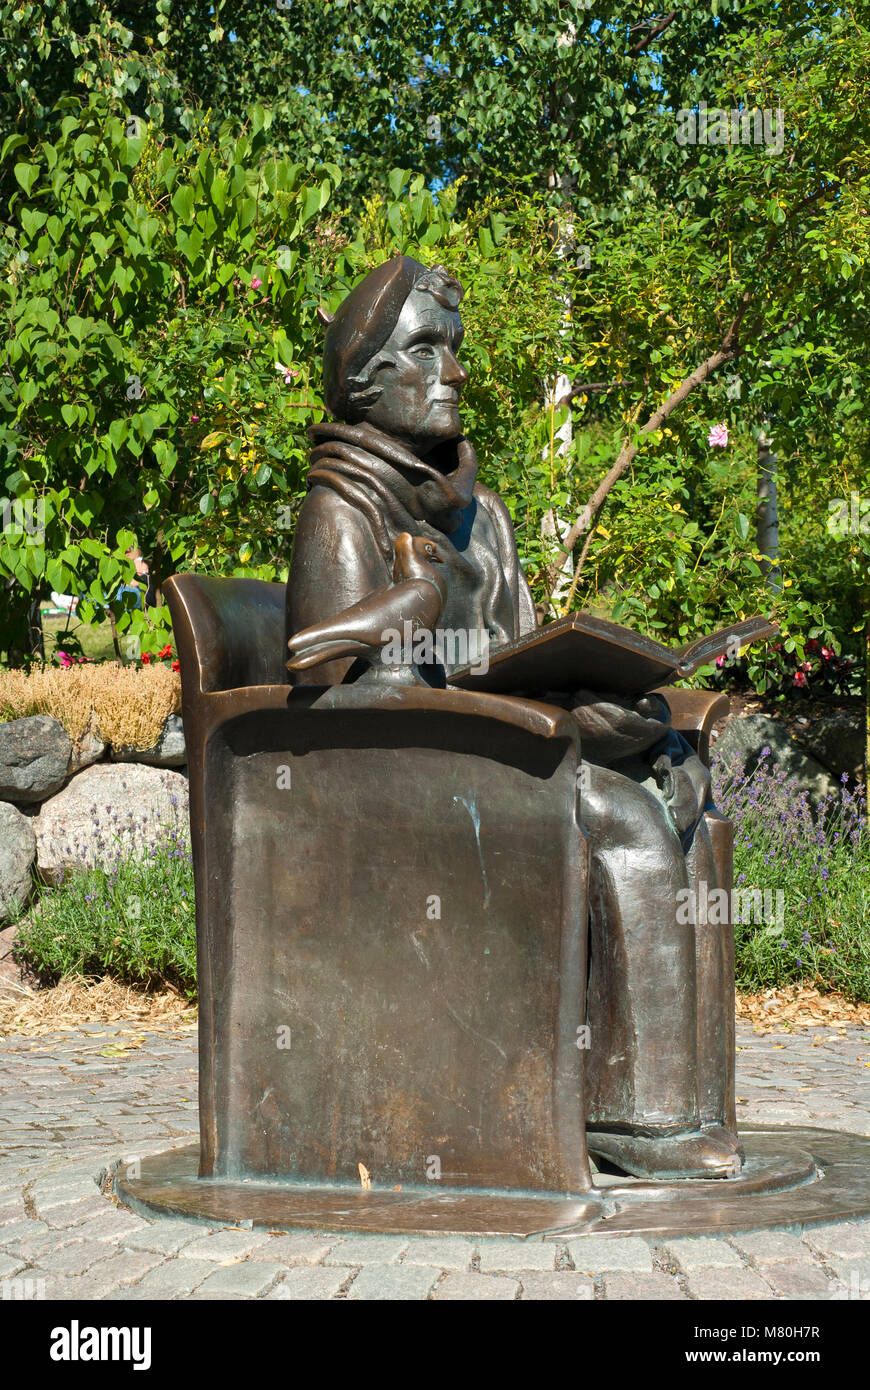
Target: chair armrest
[[693, 714]]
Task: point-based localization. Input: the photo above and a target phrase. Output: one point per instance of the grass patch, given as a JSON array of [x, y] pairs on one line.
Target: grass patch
[[95, 639]]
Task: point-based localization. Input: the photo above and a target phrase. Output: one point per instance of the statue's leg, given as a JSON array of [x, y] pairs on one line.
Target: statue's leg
[[709, 862], [642, 1065]]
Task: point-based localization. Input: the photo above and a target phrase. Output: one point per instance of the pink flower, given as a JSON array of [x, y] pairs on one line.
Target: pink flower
[[800, 679], [64, 659], [194, 419], [720, 662], [827, 653], [256, 283], [718, 436], [288, 373]]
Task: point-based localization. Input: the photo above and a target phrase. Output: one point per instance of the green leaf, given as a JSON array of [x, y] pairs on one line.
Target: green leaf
[[26, 175], [182, 202]]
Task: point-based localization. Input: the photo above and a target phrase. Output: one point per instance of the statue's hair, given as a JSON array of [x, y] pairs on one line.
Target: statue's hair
[[362, 392]]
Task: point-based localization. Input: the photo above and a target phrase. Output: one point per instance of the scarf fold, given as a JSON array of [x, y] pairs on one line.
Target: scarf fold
[[388, 482]]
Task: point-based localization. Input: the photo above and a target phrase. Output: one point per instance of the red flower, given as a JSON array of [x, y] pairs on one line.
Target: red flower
[[176, 665], [165, 652], [146, 658], [799, 678]]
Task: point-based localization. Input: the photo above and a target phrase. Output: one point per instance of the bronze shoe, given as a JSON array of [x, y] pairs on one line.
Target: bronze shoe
[[695, 1154]]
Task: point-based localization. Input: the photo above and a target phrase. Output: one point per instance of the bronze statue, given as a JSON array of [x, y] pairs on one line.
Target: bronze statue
[[398, 860], [394, 465]]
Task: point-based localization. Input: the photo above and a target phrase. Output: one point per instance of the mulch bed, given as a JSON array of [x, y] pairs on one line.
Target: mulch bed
[[29, 1012], [800, 1006]]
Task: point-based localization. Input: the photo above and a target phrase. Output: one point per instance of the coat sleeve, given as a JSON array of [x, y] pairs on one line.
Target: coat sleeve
[[525, 617], [336, 562]]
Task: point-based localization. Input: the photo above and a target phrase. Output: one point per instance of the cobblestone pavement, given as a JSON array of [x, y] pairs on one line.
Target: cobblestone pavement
[[73, 1104]]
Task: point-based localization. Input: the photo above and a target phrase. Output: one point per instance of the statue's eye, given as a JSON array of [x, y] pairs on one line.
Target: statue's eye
[[425, 350]]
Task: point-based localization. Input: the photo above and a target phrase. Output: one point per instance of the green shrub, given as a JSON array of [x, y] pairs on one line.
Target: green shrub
[[134, 921]]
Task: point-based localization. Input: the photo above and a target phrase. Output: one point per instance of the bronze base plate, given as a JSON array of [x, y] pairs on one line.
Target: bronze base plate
[[790, 1177]]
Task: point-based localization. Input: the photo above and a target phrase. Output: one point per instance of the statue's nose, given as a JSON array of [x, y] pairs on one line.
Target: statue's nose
[[452, 371]]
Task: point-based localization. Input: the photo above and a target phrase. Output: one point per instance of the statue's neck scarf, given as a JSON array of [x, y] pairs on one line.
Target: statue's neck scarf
[[389, 483]]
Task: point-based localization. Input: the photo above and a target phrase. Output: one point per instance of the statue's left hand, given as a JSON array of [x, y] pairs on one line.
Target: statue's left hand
[[685, 787]]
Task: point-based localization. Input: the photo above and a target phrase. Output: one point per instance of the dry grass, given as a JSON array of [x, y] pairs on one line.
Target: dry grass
[[801, 1006], [75, 1001], [127, 704]]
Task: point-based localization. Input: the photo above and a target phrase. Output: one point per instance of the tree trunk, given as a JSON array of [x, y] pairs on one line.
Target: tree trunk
[[766, 513]]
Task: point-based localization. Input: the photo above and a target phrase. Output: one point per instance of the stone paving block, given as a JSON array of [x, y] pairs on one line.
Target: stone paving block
[[854, 1275], [247, 1280], [450, 1253], [40, 1247], [174, 1278], [74, 1213], [295, 1249], [107, 1274], [769, 1247], [727, 1283], [167, 1237], [700, 1252], [21, 1230], [561, 1286], [640, 1287], [845, 1239], [509, 1255], [368, 1250], [112, 1224], [592, 1254], [478, 1288], [11, 1264], [798, 1279], [403, 1283], [56, 1202], [309, 1282], [75, 1258], [225, 1246]]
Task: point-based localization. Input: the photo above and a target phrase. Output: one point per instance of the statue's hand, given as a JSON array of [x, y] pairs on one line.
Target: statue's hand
[[686, 789]]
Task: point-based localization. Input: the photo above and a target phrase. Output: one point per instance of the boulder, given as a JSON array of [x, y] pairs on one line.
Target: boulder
[[106, 809], [34, 756], [89, 749], [837, 740], [168, 751], [744, 737], [17, 853]]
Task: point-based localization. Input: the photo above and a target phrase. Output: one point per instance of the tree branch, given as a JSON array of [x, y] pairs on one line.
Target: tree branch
[[726, 350], [657, 29]]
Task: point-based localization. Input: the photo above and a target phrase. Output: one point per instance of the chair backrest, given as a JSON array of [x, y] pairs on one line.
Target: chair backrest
[[229, 633]]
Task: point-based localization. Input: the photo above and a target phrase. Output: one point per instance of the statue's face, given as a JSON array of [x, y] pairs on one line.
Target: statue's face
[[420, 377]]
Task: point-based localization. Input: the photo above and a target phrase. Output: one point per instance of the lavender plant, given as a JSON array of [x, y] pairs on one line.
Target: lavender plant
[[818, 855], [132, 918]]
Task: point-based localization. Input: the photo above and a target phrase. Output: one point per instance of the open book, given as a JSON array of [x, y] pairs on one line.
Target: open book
[[579, 652]]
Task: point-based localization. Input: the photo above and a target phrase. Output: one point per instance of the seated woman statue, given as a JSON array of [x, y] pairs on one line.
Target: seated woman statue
[[394, 460]]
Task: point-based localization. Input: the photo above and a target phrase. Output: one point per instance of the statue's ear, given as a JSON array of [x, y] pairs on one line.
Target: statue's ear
[[324, 315]]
